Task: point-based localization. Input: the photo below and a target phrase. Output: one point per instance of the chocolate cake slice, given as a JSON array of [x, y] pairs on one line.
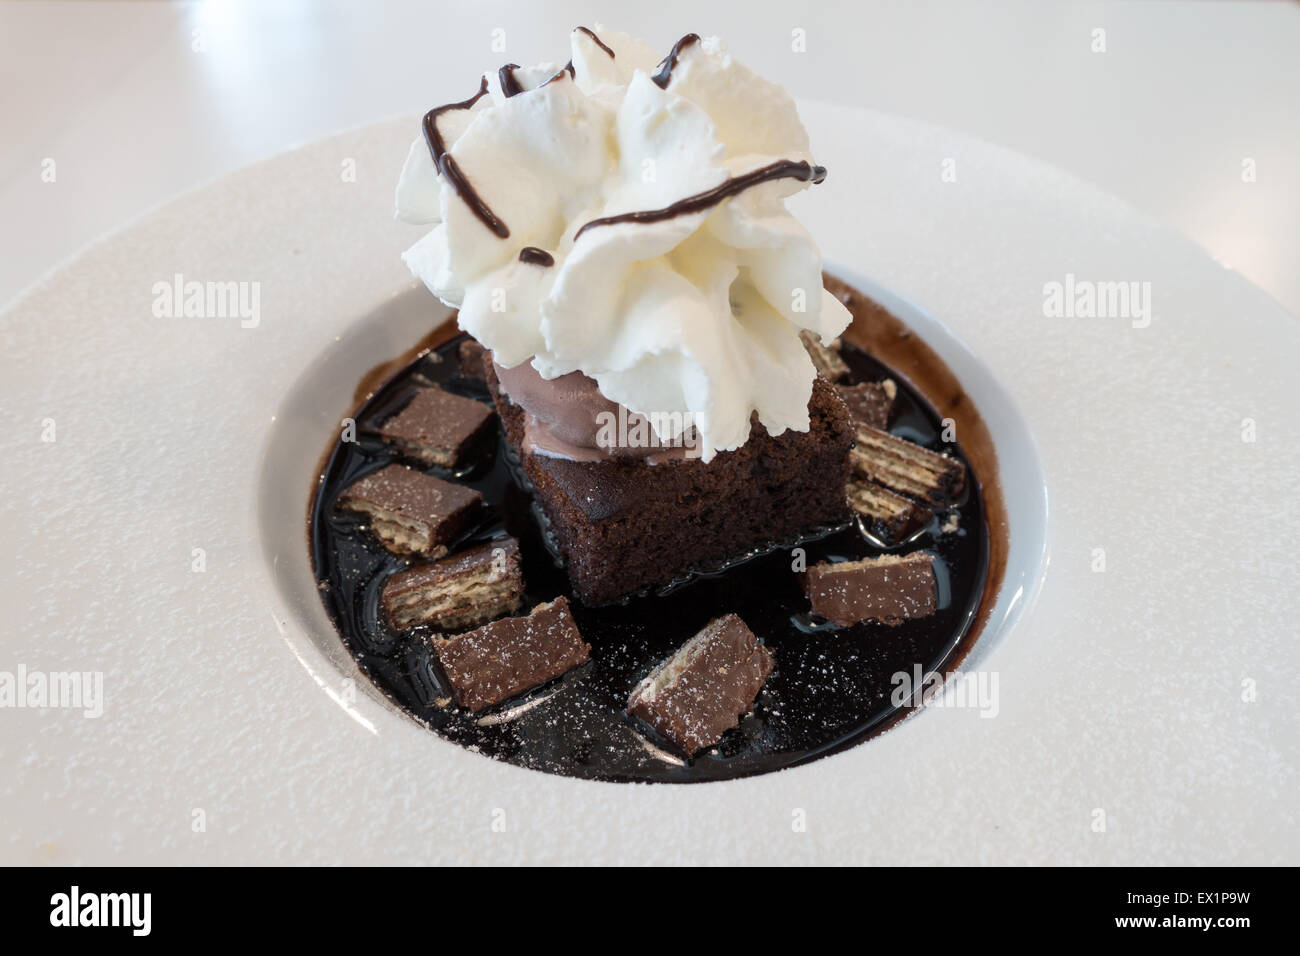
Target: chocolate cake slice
[[701, 692], [461, 591], [625, 525]]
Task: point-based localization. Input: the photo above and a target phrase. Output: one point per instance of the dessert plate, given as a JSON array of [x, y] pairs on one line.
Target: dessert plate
[[1138, 669]]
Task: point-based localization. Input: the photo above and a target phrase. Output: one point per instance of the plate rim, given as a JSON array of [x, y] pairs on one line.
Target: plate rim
[[552, 796]]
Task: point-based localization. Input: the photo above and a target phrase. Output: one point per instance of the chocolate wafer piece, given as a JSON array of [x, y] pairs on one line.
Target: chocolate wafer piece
[[825, 357], [411, 512], [437, 428], [464, 590], [890, 517], [470, 355], [889, 589], [701, 692], [869, 403], [512, 655], [906, 468]]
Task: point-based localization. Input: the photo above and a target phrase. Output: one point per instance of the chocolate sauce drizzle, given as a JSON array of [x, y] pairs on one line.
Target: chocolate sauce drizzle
[[595, 39], [510, 85], [447, 166], [667, 64], [567, 68], [781, 169], [536, 257]]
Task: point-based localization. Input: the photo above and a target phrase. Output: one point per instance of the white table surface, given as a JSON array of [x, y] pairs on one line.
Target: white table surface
[[136, 102]]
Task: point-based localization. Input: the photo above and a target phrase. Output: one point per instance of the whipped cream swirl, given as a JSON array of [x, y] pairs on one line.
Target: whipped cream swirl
[[623, 216]]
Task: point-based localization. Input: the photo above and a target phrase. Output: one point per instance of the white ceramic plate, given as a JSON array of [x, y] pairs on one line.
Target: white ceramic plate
[[1146, 712]]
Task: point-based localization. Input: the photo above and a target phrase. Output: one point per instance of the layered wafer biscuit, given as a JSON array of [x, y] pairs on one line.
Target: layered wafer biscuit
[[825, 357], [438, 428], [888, 589], [507, 657], [701, 692], [889, 517], [869, 403], [906, 468], [411, 512], [464, 590]]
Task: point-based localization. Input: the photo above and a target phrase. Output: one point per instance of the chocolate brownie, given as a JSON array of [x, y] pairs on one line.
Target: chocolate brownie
[[626, 525]]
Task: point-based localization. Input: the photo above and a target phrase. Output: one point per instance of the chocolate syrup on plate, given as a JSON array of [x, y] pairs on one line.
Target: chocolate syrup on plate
[[831, 688]]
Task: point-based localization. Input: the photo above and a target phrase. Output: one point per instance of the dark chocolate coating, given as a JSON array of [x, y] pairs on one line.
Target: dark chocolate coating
[[437, 427], [507, 657], [887, 591], [719, 673], [868, 403], [496, 559], [446, 509]]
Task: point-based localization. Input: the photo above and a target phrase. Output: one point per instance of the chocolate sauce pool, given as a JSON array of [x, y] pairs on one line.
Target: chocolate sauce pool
[[831, 688]]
